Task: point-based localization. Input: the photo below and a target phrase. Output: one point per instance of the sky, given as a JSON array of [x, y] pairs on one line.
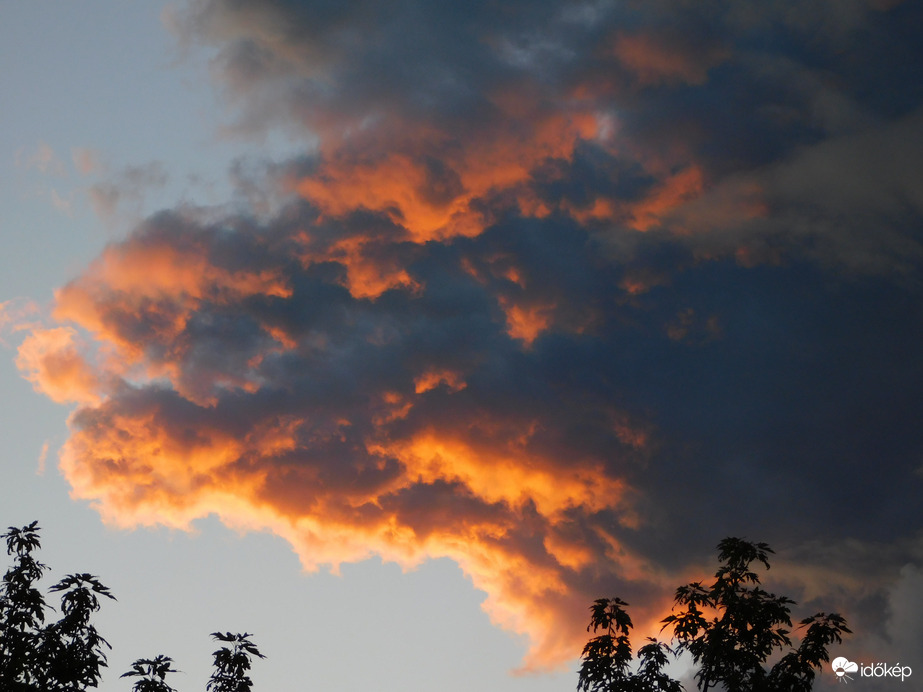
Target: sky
[[397, 333]]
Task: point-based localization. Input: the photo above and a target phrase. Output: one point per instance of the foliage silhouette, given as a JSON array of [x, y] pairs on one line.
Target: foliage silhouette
[[607, 657], [68, 655], [731, 629], [22, 611], [71, 647], [151, 673], [230, 674], [232, 663], [64, 656]]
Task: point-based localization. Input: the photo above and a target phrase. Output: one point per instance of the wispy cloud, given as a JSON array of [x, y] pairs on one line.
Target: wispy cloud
[[42, 459], [124, 192], [43, 159], [17, 314], [87, 161]]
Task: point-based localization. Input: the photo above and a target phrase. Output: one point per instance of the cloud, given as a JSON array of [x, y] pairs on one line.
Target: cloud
[[14, 314], [657, 60], [905, 608], [87, 161], [62, 204], [349, 425], [44, 160], [42, 458], [852, 201], [565, 292], [125, 191], [52, 360]]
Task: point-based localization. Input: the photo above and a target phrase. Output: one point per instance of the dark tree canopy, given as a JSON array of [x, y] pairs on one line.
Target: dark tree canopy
[[731, 628], [62, 656], [68, 655], [151, 674], [607, 657], [232, 663]]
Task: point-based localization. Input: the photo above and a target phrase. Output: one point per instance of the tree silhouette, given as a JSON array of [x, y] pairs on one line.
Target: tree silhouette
[[71, 648], [22, 612], [68, 655], [64, 656], [731, 628], [607, 657], [232, 663], [151, 674]]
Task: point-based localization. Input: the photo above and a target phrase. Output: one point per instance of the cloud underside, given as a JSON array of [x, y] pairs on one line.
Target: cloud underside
[[563, 291]]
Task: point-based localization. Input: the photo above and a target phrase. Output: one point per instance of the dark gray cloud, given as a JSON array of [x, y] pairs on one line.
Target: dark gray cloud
[[566, 292]]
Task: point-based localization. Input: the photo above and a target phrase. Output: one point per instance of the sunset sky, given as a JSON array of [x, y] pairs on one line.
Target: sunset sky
[[396, 333]]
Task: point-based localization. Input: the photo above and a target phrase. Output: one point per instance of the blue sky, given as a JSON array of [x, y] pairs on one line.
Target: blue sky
[[480, 313]]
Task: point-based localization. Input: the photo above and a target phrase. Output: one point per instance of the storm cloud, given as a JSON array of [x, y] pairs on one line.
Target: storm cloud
[[565, 291]]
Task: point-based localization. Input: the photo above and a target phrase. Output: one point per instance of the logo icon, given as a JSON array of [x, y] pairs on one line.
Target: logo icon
[[842, 666]]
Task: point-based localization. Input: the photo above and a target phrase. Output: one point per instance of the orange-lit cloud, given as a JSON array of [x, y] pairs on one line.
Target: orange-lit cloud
[[263, 377], [431, 188], [509, 476], [368, 274], [673, 191], [662, 59], [52, 360], [480, 492], [433, 378], [526, 323]]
